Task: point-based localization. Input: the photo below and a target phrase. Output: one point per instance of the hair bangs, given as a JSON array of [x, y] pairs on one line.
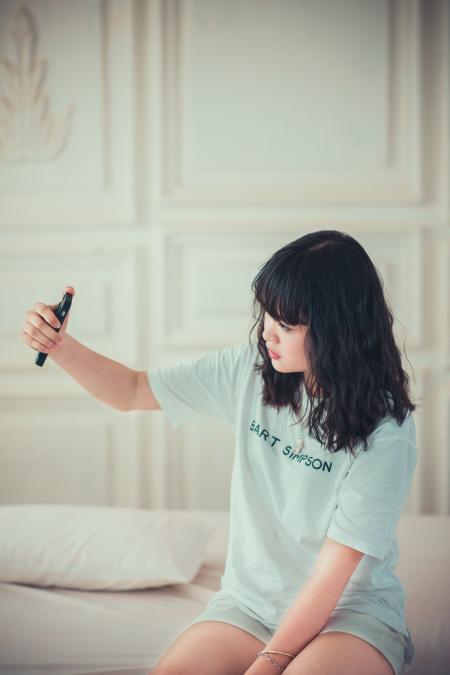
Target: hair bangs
[[282, 290]]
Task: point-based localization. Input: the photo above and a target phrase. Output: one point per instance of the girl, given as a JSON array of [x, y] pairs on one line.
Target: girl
[[325, 455]]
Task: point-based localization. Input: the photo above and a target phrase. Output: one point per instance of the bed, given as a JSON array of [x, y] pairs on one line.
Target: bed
[[69, 632]]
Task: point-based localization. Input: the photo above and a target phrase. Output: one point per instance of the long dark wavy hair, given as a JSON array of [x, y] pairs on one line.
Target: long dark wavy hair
[[326, 281]]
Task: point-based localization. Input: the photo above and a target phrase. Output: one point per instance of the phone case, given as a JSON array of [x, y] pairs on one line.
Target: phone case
[[60, 311]]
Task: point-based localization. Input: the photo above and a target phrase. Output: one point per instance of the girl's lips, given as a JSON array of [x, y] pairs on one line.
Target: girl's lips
[[273, 355]]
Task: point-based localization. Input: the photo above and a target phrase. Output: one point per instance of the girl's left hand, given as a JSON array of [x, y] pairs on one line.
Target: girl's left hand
[[262, 666]]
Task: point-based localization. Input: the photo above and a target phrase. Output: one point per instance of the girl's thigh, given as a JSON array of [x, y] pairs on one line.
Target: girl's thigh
[[209, 648]]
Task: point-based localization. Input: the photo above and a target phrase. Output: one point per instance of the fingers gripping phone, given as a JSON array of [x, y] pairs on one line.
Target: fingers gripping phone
[[61, 313]]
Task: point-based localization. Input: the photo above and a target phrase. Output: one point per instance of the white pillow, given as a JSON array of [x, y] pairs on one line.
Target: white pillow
[[100, 548]]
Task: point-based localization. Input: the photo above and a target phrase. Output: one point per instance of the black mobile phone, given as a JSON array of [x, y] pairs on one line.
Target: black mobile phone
[[60, 312]]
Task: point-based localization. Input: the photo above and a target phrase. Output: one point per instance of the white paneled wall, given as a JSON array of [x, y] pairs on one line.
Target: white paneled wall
[[291, 103], [153, 154], [68, 140]]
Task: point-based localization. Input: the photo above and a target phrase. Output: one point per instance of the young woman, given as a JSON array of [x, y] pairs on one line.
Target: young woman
[[325, 455]]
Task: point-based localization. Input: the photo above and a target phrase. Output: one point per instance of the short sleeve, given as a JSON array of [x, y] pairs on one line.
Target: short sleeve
[[209, 385], [372, 494]]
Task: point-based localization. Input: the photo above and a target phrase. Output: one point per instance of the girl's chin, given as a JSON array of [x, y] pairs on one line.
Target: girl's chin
[[280, 366], [286, 368]]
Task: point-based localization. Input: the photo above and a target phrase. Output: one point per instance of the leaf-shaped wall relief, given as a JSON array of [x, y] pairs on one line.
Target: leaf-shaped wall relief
[[29, 131]]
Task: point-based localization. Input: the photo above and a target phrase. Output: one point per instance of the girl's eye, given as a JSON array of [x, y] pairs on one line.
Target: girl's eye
[[284, 327]]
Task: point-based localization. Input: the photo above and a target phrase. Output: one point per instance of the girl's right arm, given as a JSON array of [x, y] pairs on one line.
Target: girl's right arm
[[109, 381]]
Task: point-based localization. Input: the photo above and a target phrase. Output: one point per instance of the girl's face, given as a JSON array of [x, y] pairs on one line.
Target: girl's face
[[288, 343]]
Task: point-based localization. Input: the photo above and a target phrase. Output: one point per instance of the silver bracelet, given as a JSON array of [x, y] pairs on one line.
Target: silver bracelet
[[274, 663]]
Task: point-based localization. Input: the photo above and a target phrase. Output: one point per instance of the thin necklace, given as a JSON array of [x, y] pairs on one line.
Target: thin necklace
[[300, 445], [301, 441]]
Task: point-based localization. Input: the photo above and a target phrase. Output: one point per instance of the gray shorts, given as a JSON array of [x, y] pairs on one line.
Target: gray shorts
[[397, 649]]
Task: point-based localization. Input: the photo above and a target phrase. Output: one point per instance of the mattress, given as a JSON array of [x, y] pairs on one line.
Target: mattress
[[69, 632]]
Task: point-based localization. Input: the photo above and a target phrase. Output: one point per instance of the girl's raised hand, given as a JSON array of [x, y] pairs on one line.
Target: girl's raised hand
[[41, 327]]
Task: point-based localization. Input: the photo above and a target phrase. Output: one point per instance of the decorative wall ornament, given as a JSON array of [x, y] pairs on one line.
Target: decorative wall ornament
[[28, 129]]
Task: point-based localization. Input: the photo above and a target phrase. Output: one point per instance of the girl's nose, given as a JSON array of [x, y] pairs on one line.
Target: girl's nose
[[269, 336]]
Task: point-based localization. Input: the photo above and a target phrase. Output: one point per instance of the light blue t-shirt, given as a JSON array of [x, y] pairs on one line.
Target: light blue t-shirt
[[284, 503]]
